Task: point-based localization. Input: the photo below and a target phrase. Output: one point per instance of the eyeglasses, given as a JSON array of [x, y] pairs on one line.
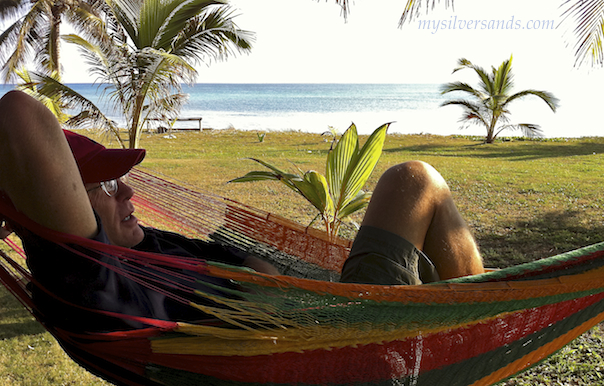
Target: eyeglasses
[[110, 187]]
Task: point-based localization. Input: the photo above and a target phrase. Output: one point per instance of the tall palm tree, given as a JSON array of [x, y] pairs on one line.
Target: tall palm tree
[[489, 102], [148, 49], [34, 35]]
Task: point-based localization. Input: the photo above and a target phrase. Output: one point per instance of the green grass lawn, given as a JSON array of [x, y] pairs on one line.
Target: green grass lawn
[[523, 199]]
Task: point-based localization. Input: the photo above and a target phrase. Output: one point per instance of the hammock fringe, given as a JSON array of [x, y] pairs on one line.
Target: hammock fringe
[[306, 328]]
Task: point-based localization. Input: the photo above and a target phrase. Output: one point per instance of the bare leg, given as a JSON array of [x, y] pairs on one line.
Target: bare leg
[[37, 168], [414, 201]]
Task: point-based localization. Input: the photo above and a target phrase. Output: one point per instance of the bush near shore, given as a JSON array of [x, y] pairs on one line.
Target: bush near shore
[[524, 199]]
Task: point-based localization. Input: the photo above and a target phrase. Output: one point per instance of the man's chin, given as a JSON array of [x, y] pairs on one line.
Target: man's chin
[[129, 237], [138, 236]]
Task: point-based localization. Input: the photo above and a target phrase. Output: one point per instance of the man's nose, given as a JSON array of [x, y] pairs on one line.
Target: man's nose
[[125, 191]]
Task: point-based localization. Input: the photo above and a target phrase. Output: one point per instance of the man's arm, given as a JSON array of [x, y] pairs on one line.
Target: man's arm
[[37, 168], [260, 265]]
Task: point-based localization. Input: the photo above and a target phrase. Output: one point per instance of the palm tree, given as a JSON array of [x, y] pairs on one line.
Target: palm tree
[[490, 101], [148, 49], [35, 32]]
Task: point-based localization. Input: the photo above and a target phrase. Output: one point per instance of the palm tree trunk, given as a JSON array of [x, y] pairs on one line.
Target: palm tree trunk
[[489, 136], [491, 130], [55, 36], [135, 128]]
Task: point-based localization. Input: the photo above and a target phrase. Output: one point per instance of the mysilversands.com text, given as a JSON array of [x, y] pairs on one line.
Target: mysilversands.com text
[[455, 23]]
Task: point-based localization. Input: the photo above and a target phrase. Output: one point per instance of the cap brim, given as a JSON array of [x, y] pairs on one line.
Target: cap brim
[[109, 164]]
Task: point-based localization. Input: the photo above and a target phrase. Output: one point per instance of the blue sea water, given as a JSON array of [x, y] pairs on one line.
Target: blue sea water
[[311, 107], [414, 108]]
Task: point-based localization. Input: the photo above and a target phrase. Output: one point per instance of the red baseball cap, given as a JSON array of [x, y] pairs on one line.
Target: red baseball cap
[[97, 163]]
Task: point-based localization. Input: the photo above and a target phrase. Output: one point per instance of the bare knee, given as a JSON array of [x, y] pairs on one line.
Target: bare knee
[[414, 176], [406, 200]]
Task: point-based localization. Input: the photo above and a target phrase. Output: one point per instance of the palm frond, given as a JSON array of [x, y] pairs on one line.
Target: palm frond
[[176, 19], [315, 189], [529, 130], [463, 87], [546, 96], [345, 8], [486, 82], [276, 174], [503, 77], [98, 121], [10, 9], [29, 86], [8, 56], [53, 88], [413, 8], [473, 112], [362, 165], [95, 57], [589, 29], [338, 162], [89, 19], [166, 108], [47, 59], [127, 13], [212, 35], [90, 114], [21, 40], [360, 201]]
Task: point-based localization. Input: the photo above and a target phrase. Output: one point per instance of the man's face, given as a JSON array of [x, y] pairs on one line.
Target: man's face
[[116, 213]]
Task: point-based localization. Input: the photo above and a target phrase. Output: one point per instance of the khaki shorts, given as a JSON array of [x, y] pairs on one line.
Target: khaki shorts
[[381, 257]]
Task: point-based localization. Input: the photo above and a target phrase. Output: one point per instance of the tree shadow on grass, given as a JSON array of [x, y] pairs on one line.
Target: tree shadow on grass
[[15, 320], [515, 153], [548, 235]]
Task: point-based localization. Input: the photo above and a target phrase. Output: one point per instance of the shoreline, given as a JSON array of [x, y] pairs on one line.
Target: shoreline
[[413, 109], [471, 137]]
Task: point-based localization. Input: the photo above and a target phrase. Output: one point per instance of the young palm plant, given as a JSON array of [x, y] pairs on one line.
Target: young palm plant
[[339, 193], [489, 102]]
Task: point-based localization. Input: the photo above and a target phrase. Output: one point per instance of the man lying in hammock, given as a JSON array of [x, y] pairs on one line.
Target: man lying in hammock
[[71, 184]]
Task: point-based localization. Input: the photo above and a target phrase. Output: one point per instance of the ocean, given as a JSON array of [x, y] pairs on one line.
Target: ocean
[[413, 108]]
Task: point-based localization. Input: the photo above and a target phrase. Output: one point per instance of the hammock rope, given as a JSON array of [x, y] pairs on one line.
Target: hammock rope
[[304, 327]]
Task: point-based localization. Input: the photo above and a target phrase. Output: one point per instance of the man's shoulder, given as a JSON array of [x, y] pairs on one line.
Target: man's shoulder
[[171, 243]]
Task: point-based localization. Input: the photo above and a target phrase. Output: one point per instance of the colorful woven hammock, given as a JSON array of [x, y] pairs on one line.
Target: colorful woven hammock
[[305, 328]]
